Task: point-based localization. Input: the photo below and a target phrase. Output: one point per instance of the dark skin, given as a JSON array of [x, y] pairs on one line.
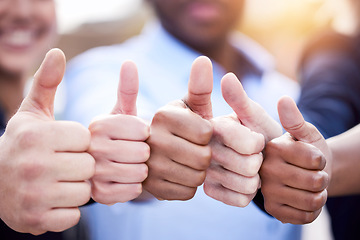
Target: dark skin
[[180, 154], [208, 35]]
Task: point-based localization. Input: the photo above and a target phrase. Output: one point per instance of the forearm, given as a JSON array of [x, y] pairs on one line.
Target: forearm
[[346, 163]]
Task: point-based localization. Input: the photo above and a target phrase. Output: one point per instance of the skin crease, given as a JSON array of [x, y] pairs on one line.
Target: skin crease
[[44, 164], [118, 145], [41, 186], [301, 162], [206, 27]]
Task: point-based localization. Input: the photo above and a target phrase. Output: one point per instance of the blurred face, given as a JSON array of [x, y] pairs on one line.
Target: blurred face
[[27, 31], [199, 23]]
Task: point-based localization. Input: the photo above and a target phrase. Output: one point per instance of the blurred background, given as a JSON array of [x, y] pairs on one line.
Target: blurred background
[[282, 27]]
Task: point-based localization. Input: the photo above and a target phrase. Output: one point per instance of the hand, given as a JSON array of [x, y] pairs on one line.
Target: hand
[[237, 142], [180, 133], [118, 145], [43, 163], [293, 174]]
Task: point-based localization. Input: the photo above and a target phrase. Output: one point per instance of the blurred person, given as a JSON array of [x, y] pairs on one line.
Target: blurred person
[[45, 164], [28, 30], [29, 186], [330, 78], [164, 52], [330, 84]]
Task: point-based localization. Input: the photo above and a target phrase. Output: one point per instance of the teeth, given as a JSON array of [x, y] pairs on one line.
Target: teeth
[[18, 38]]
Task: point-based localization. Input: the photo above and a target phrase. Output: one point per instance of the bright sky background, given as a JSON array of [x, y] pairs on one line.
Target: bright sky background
[[72, 13]]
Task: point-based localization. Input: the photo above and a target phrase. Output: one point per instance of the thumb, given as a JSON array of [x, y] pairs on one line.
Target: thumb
[[250, 113], [294, 123], [127, 90], [200, 86], [46, 80]]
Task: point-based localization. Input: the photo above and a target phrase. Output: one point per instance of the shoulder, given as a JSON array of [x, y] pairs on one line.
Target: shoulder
[[330, 43]]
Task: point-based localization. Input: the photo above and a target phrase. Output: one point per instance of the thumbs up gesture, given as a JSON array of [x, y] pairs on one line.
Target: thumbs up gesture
[[118, 145], [295, 172], [180, 133], [44, 166], [237, 144]]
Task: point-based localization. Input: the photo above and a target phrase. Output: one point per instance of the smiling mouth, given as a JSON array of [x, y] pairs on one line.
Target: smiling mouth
[[18, 38], [203, 11]]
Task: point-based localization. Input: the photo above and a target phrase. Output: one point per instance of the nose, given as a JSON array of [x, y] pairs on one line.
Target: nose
[[21, 8]]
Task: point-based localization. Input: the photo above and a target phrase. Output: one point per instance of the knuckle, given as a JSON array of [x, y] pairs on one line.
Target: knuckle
[[252, 186], [138, 189], [28, 137], [307, 217], [143, 172], [204, 158], [200, 178], [316, 201], [253, 165], [242, 201], [85, 194], [31, 169], [100, 193], [318, 161], [318, 182], [205, 132], [32, 219], [88, 167], [145, 151], [161, 115], [188, 194]]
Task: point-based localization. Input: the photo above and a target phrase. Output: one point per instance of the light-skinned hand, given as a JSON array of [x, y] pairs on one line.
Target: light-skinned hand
[[44, 166], [118, 145], [237, 144]]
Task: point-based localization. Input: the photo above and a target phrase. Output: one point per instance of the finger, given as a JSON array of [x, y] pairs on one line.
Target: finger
[[233, 181], [120, 151], [227, 196], [246, 165], [40, 100], [183, 123], [168, 190], [181, 151], [288, 214], [60, 219], [174, 172], [250, 114], [127, 90], [121, 127], [299, 199], [294, 123], [120, 173], [111, 193], [67, 136], [200, 87], [69, 194], [70, 167], [306, 155], [241, 139]]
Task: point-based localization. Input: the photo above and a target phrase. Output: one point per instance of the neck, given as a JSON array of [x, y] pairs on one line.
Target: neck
[[230, 59], [11, 94]]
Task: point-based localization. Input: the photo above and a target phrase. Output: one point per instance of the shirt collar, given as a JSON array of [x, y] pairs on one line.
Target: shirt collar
[[156, 35]]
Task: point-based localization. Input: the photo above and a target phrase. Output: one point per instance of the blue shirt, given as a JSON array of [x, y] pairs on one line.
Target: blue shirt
[[164, 66]]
